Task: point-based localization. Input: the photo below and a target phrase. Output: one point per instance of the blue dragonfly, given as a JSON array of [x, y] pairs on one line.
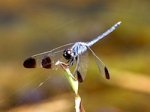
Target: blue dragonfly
[[73, 55]]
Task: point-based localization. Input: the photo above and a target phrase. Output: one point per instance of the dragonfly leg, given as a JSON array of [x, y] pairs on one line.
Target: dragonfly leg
[[65, 66], [71, 62]]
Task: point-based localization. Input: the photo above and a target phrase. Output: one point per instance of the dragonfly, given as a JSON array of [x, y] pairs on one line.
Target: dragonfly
[[72, 54]]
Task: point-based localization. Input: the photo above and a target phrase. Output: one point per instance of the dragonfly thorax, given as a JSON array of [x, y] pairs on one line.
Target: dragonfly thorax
[[79, 48]]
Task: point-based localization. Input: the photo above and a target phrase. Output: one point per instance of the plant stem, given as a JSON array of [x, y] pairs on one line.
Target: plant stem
[[74, 84]]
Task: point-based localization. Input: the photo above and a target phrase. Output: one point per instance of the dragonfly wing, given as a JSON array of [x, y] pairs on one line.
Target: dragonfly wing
[[81, 67], [47, 59], [102, 67]]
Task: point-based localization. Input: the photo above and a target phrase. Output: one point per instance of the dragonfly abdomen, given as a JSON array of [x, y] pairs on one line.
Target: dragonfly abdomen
[[90, 43]]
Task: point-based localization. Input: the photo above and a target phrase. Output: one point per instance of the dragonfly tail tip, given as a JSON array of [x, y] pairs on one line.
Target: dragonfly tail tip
[[119, 22]]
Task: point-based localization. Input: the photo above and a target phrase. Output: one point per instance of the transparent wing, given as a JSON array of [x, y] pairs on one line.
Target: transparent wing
[[47, 59], [102, 67], [80, 67]]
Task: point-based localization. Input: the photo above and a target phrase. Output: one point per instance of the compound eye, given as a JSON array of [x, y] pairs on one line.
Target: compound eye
[[67, 54]]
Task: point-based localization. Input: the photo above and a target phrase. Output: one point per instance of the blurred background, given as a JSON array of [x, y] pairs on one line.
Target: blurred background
[[28, 27]]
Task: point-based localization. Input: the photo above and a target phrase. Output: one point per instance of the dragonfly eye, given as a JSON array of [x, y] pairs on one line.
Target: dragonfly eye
[[67, 54]]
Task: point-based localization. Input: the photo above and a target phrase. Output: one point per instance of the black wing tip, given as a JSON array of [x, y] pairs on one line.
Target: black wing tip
[[46, 62], [79, 77], [29, 63], [106, 73]]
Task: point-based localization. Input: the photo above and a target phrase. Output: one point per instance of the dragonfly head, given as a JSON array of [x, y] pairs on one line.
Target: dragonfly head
[[67, 54]]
